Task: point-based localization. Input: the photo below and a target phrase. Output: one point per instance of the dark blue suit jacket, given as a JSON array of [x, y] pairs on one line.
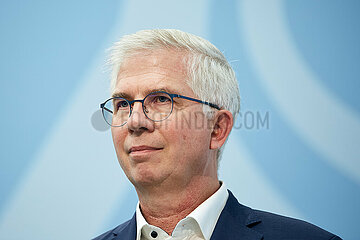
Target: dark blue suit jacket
[[237, 221]]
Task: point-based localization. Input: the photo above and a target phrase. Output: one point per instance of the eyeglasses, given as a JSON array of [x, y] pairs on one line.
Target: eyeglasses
[[157, 106]]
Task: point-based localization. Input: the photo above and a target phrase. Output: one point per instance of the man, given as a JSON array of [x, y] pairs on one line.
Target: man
[[174, 98]]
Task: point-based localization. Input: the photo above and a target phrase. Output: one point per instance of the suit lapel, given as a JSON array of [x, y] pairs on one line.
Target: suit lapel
[[235, 222], [126, 231]]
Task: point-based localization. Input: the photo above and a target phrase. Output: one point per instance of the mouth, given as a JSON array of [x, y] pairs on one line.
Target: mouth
[[143, 149]]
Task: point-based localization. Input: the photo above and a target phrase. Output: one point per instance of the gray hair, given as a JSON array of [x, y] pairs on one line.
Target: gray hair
[[210, 76]]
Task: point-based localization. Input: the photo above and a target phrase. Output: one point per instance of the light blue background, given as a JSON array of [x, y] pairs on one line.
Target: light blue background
[[296, 60]]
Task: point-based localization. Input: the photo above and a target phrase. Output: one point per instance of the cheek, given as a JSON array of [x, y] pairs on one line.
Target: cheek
[[118, 137], [190, 141], [187, 129]]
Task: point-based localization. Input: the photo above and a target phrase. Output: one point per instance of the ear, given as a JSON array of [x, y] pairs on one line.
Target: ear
[[223, 122]]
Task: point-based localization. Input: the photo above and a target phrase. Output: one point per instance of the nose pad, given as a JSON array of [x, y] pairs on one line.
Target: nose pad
[[146, 111]]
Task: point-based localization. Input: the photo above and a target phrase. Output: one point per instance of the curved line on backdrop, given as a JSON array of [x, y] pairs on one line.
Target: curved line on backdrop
[[55, 187], [252, 194], [236, 153], [323, 121]]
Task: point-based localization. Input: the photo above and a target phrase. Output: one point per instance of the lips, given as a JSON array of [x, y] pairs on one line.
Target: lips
[[143, 148]]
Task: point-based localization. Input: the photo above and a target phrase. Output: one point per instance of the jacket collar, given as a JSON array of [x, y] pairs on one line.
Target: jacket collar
[[234, 223]]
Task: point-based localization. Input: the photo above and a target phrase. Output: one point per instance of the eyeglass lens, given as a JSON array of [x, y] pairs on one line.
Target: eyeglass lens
[[156, 106]]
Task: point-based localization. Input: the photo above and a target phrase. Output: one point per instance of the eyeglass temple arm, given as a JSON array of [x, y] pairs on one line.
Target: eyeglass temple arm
[[197, 100], [103, 107]]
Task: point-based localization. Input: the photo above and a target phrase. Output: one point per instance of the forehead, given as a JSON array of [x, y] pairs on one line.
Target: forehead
[[161, 69]]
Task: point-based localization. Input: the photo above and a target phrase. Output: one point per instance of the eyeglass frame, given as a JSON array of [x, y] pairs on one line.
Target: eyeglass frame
[[172, 96]]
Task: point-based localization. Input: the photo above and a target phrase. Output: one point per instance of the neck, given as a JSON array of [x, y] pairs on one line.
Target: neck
[[164, 208]]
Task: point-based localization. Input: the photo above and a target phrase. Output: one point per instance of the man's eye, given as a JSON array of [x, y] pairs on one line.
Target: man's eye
[[122, 104], [162, 99]]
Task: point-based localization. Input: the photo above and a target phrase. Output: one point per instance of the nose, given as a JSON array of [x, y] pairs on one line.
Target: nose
[[138, 122]]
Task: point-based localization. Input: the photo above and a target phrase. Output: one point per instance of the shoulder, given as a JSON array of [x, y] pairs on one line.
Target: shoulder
[[111, 234], [274, 226], [267, 225]]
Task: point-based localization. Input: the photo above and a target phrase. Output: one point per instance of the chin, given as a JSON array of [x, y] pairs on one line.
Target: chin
[[144, 177]]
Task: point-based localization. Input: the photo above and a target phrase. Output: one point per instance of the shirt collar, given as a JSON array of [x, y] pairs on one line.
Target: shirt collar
[[140, 221], [206, 214]]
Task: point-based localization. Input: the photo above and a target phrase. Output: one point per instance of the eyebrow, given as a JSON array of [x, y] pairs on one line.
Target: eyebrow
[[162, 89], [121, 95]]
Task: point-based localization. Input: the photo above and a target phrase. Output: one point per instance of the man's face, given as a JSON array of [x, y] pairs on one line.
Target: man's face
[[172, 152]]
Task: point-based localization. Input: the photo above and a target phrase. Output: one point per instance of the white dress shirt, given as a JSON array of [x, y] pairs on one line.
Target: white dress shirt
[[199, 224]]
